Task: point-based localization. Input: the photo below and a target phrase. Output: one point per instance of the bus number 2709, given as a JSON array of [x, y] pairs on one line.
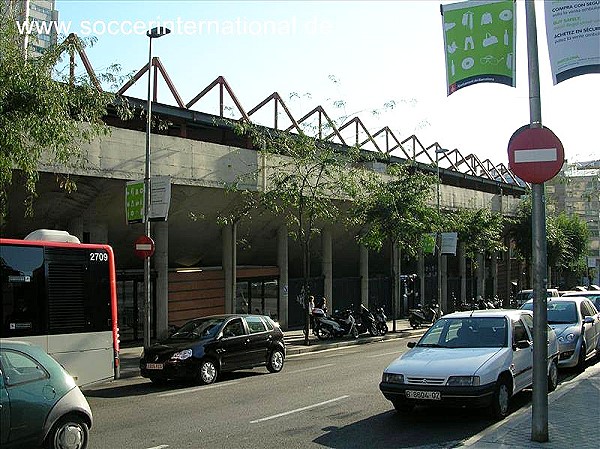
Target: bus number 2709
[[98, 257]]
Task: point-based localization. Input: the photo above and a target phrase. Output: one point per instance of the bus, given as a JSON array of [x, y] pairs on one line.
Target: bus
[[60, 294]]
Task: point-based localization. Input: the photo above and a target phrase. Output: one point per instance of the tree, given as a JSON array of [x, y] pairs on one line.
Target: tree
[[393, 209], [306, 180], [45, 117]]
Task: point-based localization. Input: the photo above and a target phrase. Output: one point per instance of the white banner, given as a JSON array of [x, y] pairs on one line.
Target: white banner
[[449, 240], [573, 33], [160, 197]]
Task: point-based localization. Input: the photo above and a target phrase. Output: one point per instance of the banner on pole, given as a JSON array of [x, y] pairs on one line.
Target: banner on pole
[[479, 43], [428, 243], [134, 201], [449, 241], [573, 33]]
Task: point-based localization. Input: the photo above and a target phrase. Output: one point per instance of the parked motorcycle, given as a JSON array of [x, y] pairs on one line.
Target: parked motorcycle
[[381, 321], [326, 327], [424, 315], [365, 321]]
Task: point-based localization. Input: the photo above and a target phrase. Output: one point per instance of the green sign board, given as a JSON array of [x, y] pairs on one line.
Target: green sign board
[[479, 43], [134, 201], [428, 243]]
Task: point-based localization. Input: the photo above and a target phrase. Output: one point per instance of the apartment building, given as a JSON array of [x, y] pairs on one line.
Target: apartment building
[[42, 12]]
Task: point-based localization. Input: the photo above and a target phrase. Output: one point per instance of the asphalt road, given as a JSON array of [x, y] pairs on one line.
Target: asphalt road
[[323, 399]]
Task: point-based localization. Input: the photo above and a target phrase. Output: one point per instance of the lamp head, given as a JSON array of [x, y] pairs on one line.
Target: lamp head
[[157, 32]]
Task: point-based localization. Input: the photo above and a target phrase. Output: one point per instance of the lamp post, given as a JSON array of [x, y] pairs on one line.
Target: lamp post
[[152, 34], [438, 237]]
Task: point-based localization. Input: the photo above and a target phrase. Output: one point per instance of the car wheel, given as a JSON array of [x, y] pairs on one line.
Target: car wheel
[[70, 432], [324, 333], [207, 373], [276, 359], [553, 376], [500, 400], [581, 360], [354, 332], [403, 406]]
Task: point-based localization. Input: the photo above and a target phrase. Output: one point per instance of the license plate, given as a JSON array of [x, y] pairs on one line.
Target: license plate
[[154, 366], [429, 395]]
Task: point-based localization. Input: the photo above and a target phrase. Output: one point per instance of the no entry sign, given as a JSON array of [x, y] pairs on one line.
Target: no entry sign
[[535, 154], [144, 247]]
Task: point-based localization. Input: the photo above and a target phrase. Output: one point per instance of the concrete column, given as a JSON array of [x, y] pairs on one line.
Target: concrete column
[[364, 275], [462, 268], [421, 274], [481, 274], [99, 233], [327, 268], [444, 301], [494, 267], [282, 263], [160, 232], [75, 227], [229, 265]]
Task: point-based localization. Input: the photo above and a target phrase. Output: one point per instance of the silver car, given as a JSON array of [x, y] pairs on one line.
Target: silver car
[[576, 322]]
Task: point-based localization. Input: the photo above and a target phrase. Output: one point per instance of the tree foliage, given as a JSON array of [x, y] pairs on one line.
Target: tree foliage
[[394, 208], [45, 116]]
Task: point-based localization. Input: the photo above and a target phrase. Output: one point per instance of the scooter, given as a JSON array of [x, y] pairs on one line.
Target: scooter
[[327, 327], [381, 321], [424, 315], [365, 321]]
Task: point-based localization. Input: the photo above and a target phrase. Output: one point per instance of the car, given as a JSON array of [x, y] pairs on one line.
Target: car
[[203, 348], [40, 404], [592, 295], [477, 358], [525, 295], [576, 322]]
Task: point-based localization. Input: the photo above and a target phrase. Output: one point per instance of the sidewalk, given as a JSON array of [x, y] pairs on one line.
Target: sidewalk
[[573, 419]]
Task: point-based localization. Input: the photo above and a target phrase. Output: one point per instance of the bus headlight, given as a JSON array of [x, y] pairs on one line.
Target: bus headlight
[[182, 355]]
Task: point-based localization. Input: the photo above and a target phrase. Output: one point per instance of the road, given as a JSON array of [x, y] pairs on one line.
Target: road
[[322, 399]]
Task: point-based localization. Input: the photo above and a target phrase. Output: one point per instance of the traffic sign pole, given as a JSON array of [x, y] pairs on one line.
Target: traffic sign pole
[[539, 416]]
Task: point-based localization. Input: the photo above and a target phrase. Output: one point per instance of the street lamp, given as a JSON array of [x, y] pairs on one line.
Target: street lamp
[[438, 237], [152, 34]]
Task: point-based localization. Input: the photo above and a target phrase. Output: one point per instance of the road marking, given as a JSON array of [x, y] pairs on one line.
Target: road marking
[[193, 390], [381, 355], [337, 355], [162, 446], [308, 407], [309, 369]]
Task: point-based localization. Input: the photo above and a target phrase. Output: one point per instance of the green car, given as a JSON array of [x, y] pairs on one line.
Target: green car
[[40, 404]]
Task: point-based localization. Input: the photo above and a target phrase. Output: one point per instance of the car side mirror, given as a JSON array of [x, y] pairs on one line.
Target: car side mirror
[[588, 320], [521, 344], [411, 344]]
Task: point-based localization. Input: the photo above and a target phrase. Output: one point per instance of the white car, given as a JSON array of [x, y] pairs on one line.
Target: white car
[[576, 322], [478, 358]]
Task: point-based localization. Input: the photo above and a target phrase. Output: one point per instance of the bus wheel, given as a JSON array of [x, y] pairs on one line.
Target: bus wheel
[[70, 432]]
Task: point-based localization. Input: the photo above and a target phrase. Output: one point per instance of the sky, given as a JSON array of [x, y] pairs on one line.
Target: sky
[[351, 57]]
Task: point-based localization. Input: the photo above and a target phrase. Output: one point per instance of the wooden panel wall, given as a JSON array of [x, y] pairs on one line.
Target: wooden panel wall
[[192, 295]]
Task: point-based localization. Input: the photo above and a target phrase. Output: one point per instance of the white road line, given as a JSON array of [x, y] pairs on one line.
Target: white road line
[[309, 369], [319, 353], [162, 446], [381, 355], [337, 355], [308, 407], [193, 390]]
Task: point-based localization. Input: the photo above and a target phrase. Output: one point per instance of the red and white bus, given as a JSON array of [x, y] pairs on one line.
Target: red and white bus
[[61, 295]]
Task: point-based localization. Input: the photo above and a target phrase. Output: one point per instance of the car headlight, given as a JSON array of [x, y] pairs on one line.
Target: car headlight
[[182, 355], [566, 338], [463, 381], [393, 378]]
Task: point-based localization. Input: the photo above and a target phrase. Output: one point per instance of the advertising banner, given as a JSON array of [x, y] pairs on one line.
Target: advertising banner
[[134, 201], [160, 197], [449, 241], [428, 243], [573, 33], [479, 43]]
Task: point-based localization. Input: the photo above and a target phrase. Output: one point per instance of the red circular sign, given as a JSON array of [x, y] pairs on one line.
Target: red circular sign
[[144, 247], [535, 154]]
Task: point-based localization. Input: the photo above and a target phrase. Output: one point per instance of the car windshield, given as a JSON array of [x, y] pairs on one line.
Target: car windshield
[[201, 328], [563, 312], [467, 332]]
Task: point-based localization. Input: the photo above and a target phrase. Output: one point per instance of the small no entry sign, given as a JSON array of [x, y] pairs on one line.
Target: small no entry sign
[[535, 155]]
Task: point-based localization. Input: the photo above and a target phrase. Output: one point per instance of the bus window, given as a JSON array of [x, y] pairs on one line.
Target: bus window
[[22, 278]]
